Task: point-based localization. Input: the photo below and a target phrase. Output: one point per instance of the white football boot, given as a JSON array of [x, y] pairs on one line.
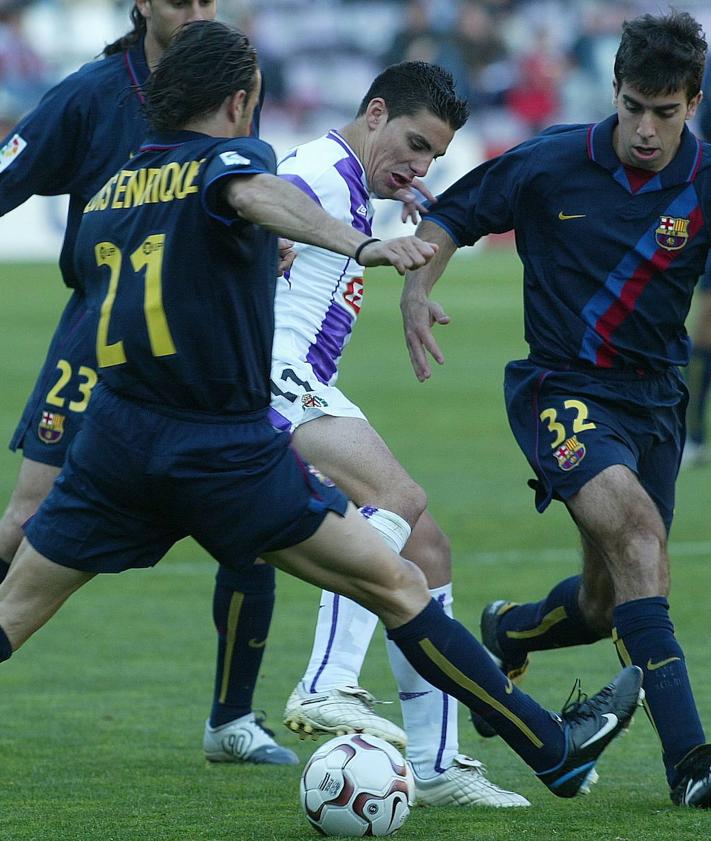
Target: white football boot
[[336, 712], [465, 783]]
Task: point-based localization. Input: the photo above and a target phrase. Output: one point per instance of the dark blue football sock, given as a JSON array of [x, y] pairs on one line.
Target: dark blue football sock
[[242, 608], [5, 647], [4, 569], [450, 658], [698, 379], [554, 622], [644, 635]]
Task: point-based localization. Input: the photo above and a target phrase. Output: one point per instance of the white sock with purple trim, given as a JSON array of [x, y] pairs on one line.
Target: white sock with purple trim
[[344, 629], [429, 715]]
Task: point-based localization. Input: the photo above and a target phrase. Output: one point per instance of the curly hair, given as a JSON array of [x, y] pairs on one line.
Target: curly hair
[[205, 62], [659, 55]]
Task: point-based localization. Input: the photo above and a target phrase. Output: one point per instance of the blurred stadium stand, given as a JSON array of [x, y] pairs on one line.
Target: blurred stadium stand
[[522, 64]]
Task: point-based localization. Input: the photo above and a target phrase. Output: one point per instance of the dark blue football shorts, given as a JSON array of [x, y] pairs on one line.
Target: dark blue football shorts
[[138, 479], [572, 424], [53, 415]]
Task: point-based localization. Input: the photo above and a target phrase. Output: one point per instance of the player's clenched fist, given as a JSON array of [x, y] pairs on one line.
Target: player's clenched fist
[[403, 253]]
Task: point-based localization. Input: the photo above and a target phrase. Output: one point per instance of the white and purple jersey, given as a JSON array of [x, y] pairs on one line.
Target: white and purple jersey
[[318, 300]]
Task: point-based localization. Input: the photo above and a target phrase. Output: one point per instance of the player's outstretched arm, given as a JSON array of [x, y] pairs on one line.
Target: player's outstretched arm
[[278, 206], [419, 313]]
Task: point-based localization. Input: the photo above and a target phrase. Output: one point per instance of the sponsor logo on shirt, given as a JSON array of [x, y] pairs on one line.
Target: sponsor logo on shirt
[[234, 159], [51, 427], [672, 233], [11, 150], [570, 453], [353, 294]]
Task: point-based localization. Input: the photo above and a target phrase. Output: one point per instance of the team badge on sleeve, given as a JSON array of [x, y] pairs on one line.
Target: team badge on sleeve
[[570, 453], [672, 233], [11, 151], [51, 427]]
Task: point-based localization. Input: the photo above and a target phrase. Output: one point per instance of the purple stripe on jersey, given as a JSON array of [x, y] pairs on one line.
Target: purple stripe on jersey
[[330, 341], [350, 171], [278, 421], [445, 711], [334, 135], [299, 182], [331, 636]]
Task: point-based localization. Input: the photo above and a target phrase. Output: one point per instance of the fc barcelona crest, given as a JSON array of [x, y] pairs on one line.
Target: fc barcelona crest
[[313, 401], [51, 427], [672, 233], [570, 453]]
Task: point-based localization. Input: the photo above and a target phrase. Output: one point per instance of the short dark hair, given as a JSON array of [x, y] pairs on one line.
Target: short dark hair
[[410, 86], [205, 62], [658, 55]]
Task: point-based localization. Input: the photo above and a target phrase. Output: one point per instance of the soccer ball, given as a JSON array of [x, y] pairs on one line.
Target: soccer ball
[[357, 785]]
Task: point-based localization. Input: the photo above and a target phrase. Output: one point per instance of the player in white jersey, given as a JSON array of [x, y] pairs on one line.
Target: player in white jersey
[[407, 118]]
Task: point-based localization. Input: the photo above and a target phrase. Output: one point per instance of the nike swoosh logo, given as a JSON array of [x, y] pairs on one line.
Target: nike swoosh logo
[[652, 666], [610, 724], [410, 696], [255, 643], [563, 216]]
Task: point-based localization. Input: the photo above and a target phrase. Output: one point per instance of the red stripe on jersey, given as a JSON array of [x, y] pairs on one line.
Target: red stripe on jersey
[[633, 288]]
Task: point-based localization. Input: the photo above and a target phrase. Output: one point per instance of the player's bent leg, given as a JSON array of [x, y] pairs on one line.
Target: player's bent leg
[[34, 482], [345, 554], [619, 518], [33, 591], [351, 453]]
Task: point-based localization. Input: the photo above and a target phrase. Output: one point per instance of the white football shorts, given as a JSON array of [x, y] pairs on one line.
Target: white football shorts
[[298, 397]]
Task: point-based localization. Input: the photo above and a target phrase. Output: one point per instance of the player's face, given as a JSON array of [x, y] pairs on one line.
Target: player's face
[[163, 17], [402, 149], [649, 129]]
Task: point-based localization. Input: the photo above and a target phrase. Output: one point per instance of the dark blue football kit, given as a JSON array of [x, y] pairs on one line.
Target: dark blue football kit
[[176, 439], [81, 133], [604, 322], [611, 256]]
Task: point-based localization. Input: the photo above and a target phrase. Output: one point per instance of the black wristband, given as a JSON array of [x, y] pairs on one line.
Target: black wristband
[[356, 256]]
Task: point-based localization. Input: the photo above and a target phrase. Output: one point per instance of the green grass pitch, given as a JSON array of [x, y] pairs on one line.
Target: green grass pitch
[[101, 714]]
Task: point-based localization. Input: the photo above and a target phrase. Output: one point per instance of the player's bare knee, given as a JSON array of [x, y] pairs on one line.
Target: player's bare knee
[[403, 585], [430, 549], [644, 569], [408, 500]]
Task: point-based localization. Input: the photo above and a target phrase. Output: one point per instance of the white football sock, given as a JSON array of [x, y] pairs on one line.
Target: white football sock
[[344, 628], [429, 715]]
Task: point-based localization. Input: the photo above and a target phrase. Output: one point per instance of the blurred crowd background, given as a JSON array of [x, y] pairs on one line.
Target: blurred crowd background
[[521, 64]]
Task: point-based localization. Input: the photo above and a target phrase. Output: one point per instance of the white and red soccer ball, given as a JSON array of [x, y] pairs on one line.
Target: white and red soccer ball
[[357, 785]]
